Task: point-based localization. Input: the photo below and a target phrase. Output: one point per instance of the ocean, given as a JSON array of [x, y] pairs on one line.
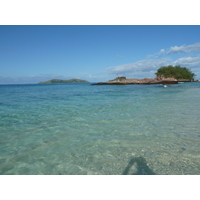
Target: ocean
[[80, 129]]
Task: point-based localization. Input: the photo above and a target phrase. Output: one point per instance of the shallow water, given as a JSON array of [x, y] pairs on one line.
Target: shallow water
[[84, 129]]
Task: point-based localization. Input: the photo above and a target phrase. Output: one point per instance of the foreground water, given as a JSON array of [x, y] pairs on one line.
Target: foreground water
[[84, 129]]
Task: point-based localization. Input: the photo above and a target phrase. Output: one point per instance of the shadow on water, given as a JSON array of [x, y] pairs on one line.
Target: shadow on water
[[137, 166]]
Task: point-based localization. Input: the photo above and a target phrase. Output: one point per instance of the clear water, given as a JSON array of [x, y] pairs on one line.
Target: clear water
[[84, 129]]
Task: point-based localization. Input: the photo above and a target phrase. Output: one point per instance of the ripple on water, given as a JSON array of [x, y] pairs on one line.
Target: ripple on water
[[80, 129]]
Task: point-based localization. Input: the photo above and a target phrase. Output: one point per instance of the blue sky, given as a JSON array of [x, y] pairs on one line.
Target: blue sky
[[29, 54]]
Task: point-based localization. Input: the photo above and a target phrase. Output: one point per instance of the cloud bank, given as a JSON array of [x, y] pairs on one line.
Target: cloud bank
[[192, 62], [140, 68], [148, 67], [184, 49]]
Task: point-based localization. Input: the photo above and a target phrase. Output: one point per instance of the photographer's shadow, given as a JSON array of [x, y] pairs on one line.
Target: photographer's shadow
[[137, 166]]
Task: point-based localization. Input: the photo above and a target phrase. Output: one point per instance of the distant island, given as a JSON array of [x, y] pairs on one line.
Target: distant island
[[54, 81], [165, 75]]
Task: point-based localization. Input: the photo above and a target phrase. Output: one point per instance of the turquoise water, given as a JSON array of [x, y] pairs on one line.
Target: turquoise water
[[84, 129]]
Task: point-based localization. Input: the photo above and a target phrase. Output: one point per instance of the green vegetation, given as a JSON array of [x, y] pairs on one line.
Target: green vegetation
[[176, 72], [64, 81]]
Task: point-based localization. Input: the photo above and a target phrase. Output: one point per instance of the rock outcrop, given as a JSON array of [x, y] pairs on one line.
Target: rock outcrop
[[145, 81], [163, 78]]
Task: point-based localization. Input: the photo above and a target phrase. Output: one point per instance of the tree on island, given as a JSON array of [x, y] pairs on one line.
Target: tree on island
[[176, 72]]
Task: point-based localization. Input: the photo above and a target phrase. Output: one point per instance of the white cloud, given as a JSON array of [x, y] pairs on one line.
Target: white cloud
[[184, 49], [157, 55], [148, 67], [139, 69], [162, 51], [191, 62]]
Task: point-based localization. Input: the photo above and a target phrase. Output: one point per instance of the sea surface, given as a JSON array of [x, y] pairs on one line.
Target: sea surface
[[71, 129]]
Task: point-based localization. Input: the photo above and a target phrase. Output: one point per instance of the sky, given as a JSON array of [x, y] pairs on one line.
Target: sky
[[34, 53]]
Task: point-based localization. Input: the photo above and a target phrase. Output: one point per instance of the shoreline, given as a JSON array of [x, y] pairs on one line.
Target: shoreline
[[132, 83], [145, 81]]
